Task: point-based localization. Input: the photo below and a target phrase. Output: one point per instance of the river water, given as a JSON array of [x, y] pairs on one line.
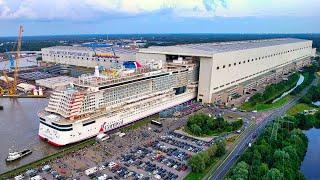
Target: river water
[[310, 166], [19, 129]]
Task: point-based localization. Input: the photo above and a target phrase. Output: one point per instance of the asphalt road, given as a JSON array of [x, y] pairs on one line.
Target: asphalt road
[[248, 137]]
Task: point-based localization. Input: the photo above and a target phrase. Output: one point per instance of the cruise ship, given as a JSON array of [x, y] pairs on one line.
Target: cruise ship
[[113, 98]]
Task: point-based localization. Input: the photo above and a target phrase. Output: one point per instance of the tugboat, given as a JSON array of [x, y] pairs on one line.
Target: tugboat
[[18, 155]]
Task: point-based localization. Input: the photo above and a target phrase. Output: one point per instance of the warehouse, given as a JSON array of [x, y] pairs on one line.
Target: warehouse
[[86, 56], [233, 67], [55, 82], [24, 87]]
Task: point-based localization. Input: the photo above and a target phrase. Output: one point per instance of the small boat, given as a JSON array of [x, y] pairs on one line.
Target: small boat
[[18, 155]]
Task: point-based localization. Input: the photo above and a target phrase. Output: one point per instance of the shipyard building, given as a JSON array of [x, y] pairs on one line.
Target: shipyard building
[[226, 69], [232, 68], [87, 56], [164, 77]]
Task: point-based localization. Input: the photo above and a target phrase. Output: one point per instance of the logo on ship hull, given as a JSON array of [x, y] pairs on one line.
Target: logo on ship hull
[[102, 128]]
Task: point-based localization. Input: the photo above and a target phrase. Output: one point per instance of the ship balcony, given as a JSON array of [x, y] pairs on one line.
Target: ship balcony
[[77, 100], [75, 103], [78, 95], [54, 101], [74, 107], [74, 114]]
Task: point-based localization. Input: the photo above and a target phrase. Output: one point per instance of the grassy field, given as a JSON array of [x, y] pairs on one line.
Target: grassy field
[[297, 108], [281, 102], [44, 160], [264, 107]]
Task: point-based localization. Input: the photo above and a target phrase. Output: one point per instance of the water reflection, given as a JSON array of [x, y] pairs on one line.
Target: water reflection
[[311, 163], [19, 129]]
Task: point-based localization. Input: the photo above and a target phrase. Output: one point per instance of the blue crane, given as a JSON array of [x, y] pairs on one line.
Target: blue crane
[[11, 60]]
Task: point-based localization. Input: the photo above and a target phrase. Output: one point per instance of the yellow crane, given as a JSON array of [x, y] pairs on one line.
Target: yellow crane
[[1, 91], [12, 85]]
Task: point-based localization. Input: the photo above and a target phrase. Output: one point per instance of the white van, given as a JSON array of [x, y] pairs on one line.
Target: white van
[[37, 177]]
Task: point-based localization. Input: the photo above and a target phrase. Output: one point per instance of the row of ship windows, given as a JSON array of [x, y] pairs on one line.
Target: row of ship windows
[[249, 76], [259, 58]]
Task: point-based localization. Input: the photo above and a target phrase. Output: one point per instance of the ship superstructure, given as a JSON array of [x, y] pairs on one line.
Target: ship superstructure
[[114, 98]]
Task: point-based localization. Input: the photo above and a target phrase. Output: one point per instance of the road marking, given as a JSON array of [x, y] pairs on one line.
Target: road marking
[[225, 159]]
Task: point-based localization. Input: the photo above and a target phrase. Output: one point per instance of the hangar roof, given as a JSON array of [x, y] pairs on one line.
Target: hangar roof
[[117, 50], [208, 49]]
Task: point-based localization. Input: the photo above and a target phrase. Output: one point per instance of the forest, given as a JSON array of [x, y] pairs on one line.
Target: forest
[[278, 152]]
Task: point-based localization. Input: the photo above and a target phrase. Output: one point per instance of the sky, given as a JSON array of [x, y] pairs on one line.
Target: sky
[[63, 17]]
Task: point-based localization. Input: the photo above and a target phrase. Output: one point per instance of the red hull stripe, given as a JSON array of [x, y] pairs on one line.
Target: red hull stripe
[[50, 142]]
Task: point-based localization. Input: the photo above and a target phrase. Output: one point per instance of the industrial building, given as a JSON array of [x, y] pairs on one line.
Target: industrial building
[[34, 75], [230, 68], [24, 87], [86, 56], [55, 82]]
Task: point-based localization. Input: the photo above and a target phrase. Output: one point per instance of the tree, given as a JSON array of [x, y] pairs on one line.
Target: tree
[[240, 171], [197, 163], [263, 169], [221, 149], [196, 129], [293, 155], [283, 156], [202, 124], [212, 150], [274, 174], [205, 156]]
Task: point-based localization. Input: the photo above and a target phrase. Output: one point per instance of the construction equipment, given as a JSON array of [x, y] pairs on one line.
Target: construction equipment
[[1, 91], [11, 60], [12, 85]]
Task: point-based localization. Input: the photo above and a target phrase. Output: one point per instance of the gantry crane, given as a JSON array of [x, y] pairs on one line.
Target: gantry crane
[[12, 85]]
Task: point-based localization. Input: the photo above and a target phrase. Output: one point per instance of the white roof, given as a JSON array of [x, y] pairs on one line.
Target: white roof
[[2, 78], [117, 50], [26, 86], [54, 80], [208, 49]]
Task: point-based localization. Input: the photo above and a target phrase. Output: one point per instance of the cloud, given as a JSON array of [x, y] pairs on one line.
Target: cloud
[[94, 10]]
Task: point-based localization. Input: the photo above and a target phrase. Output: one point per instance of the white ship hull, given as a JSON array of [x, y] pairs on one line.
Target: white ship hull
[[80, 132]]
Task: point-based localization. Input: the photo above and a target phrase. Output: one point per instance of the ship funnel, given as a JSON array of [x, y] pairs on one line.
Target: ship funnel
[[96, 71]]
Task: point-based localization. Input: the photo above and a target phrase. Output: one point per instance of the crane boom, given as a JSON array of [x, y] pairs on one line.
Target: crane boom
[[16, 69], [12, 86]]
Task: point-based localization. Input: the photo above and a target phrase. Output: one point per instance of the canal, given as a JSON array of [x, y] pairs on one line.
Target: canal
[[19, 130], [311, 162], [299, 82]]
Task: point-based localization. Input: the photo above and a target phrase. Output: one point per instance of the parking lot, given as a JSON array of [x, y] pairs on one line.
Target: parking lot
[[148, 152]]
